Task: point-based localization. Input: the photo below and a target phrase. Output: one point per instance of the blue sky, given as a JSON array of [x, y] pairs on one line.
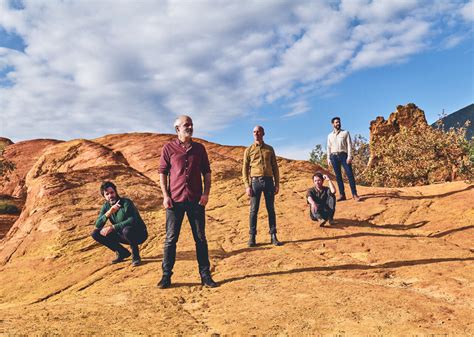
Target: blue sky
[[82, 69]]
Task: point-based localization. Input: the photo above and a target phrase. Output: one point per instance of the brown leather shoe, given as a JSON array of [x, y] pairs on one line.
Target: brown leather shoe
[[341, 198]]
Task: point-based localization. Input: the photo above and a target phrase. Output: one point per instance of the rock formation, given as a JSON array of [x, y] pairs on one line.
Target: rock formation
[[406, 252], [4, 142], [406, 151], [22, 155], [408, 116]]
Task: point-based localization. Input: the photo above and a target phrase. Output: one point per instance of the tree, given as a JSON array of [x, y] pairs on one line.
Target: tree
[[360, 158], [318, 156]]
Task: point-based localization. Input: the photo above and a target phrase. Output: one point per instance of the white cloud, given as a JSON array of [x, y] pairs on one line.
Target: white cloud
[[467, 11], [96, 67], [453, 41], [297, 108]]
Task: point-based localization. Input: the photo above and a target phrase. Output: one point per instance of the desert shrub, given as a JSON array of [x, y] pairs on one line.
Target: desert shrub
[[319, 156], [420, 156], [360, 158], [5, 165], [7, 208]]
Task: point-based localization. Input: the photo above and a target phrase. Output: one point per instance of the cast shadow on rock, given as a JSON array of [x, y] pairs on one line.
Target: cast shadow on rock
[[396, 195], [342, 223], [386, 265]]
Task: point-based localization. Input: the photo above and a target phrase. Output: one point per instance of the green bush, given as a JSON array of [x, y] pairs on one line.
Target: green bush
[[318, 156], [420, 156], [6, 208]]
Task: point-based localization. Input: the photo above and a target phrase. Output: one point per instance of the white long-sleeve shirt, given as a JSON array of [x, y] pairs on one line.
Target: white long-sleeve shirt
[[340, 141]]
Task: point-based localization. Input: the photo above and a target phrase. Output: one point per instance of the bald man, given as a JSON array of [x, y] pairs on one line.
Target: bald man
[[182, 164], [260, 175]]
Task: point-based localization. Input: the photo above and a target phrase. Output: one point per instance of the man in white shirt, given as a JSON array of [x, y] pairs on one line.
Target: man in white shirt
[[340, 154]]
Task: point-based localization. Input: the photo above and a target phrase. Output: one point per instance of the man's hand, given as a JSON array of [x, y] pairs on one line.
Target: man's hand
[[106, 230], [167, 202], [329, 162], [113, 209], [325, 177], [314, 208], [204, 199], [349, 161], [277, 189], [249, 191]]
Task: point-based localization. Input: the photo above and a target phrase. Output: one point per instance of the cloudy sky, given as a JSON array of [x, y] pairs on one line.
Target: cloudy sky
[[83, 69]]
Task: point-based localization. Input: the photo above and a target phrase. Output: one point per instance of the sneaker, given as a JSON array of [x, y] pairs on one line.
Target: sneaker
[[165, 282], [331, 222], [322, 222], [120, 256]]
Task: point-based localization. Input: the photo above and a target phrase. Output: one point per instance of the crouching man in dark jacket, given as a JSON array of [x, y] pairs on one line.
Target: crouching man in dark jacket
[[322, 200], [126, 225]]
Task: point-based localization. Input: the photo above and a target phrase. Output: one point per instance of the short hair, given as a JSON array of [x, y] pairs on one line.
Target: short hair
[[105, 185], [176, 121], [319, 175], [334, 118]]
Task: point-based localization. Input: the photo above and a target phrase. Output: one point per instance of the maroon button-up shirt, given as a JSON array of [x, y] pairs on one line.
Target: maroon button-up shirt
[[184, 168]]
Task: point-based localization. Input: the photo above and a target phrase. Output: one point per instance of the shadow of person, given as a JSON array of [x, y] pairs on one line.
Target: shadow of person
[[396, 195], [342, 223], [386, 265]]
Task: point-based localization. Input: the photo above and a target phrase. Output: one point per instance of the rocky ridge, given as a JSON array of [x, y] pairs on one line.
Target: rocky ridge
[[399, 262]]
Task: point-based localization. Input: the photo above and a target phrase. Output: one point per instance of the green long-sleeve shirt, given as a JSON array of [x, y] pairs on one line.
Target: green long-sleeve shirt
[[260, 161], [127, 215]]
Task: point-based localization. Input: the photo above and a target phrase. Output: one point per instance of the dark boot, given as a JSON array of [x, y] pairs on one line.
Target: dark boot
[[165, 282], [275, 241], [121, 254], [136, 260], [207, 281], [342, 197], [252, 242]]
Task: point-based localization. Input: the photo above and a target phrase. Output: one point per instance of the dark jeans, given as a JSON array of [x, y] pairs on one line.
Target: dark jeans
[[338, 159], [265, 185], [325, 211], [128, 235], [197, 220]]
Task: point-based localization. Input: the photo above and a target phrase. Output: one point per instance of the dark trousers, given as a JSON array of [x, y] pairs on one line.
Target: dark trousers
[[197, 220], [265, 185], [338, 159], [128, 235], [326, 210]]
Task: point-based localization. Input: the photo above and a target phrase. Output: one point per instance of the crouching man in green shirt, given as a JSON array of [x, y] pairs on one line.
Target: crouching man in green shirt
[[126, 225]]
